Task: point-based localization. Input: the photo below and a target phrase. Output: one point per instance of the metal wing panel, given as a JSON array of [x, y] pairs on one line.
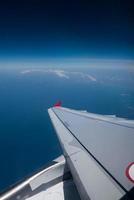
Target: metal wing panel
[[89, 175], [110, 141]]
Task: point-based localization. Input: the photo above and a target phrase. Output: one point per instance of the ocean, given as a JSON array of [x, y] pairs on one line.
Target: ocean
[[27, 138]]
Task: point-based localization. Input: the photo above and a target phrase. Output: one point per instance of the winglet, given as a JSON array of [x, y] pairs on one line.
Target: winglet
[[58, 104]]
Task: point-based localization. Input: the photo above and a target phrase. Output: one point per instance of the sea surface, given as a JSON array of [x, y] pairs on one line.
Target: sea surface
[[27, 138]]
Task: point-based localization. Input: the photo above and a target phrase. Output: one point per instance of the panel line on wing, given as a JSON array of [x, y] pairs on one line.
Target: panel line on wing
[[103, 120]]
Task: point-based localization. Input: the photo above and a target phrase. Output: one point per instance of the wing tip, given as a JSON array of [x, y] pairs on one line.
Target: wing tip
[[58, 104]]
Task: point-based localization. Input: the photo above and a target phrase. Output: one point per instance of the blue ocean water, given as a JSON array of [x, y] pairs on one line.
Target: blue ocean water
[[27, 138]]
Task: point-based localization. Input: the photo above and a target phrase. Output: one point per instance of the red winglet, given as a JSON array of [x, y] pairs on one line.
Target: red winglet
[[58, 104]]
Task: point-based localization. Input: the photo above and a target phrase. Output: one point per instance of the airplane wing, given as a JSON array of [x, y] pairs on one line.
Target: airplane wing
[[99, 151]]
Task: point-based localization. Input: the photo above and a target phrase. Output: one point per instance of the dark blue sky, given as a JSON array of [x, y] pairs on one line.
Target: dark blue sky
[[102, 29]]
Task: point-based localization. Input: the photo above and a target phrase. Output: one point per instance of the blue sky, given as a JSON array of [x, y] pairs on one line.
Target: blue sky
[[58, 29]]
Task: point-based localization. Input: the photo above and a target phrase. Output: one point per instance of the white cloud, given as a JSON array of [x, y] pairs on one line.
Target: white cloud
[[62, 73], [85, 76], [92, 78], [25, 71], [59, 73], [30, 71]]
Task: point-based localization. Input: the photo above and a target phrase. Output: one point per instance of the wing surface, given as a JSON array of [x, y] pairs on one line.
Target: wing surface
[[98, 150]]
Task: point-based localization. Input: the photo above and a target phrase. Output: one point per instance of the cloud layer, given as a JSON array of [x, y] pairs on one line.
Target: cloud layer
[[62, 73]]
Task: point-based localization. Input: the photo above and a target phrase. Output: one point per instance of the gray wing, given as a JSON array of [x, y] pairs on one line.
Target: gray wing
[[99, 150]]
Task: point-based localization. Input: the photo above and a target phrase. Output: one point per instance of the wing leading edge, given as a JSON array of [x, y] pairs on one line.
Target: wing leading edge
[[98, 150]]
